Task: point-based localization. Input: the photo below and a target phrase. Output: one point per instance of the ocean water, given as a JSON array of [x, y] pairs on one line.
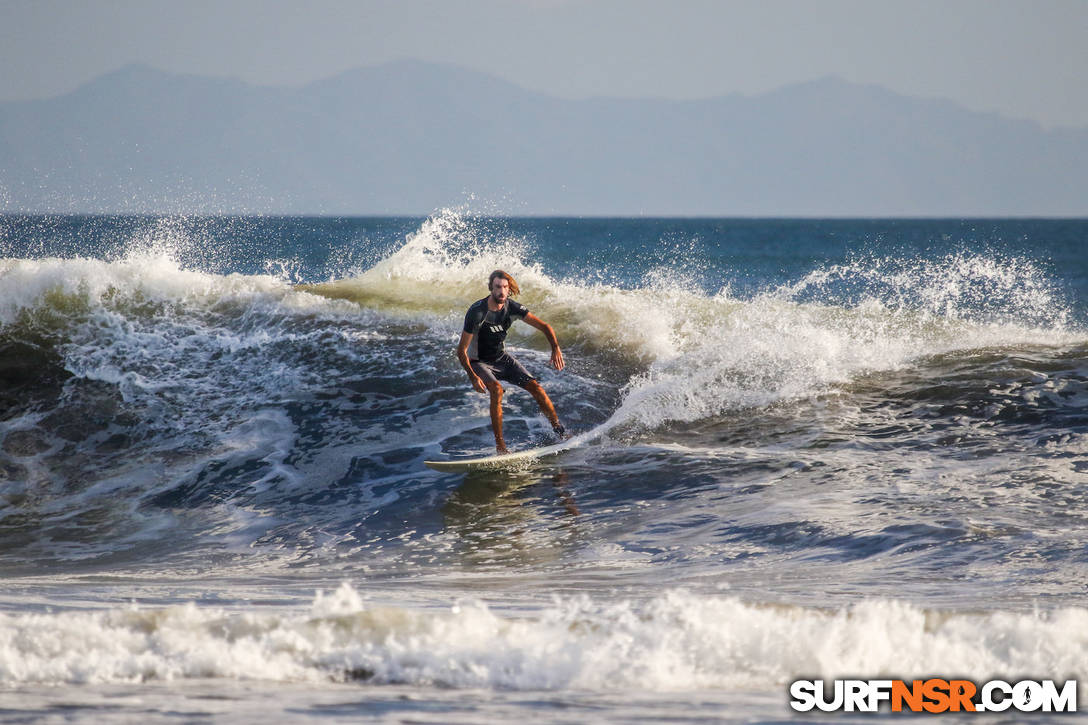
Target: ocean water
[[821, 448]]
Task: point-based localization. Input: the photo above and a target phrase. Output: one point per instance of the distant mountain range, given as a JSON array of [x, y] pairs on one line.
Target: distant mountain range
[[411, 137]]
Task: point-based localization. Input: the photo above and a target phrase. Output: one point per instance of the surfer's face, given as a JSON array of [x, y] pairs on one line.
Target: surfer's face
[[500, 290]]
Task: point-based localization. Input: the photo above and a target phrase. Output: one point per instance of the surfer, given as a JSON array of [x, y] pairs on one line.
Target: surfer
[[483, 355]]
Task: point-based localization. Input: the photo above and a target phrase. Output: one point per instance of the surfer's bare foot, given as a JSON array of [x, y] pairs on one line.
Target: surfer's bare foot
[[500, 448], [560, 431]]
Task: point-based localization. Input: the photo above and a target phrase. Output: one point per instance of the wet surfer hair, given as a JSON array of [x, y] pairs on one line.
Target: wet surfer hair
[[499, 274]]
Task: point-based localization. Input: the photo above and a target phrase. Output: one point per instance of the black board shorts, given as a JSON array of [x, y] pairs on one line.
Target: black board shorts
[[504, 367]]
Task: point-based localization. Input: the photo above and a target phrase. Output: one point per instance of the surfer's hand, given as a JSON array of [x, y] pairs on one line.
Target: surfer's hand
[[557, 358], [478, 384]]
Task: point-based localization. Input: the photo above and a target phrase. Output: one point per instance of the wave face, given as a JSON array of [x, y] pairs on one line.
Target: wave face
[[790, 418]]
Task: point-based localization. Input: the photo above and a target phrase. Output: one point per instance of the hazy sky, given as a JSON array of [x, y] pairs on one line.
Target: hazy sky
[[1026, 59]]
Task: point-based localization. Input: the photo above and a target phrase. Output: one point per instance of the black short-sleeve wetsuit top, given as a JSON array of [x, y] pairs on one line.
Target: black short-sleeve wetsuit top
[[489, 328]]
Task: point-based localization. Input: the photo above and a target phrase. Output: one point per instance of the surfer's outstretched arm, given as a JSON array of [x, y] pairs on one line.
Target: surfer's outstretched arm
[[557, 354], [533, 386], [462, 356]]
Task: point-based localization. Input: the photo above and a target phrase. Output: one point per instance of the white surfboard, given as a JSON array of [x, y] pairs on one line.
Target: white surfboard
[[509, 460]]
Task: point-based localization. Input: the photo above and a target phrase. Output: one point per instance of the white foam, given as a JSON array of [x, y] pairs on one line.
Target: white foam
[[155, 265], [676, 641], [90, 284]]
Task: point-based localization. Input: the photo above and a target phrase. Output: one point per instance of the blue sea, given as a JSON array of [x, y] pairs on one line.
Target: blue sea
[[816, 448]]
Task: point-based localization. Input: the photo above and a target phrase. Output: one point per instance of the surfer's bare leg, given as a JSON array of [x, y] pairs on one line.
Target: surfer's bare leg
[[496, 415], [545, 404]]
